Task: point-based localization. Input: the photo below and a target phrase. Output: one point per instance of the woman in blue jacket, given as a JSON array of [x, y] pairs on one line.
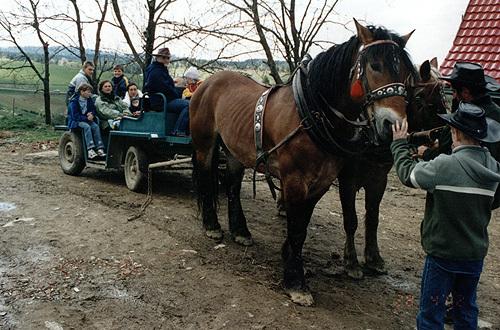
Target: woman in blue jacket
[[82, 113], [158, 80]]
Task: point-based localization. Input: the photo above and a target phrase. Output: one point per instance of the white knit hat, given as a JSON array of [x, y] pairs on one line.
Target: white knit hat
[[192, 73]]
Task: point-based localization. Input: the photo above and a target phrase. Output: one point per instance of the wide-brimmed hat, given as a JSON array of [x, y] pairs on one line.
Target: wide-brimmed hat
[[471, 74], [472, 120], [162, 52]]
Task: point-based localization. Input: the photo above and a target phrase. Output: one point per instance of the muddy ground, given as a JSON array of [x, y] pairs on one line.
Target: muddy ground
[[71, 259]]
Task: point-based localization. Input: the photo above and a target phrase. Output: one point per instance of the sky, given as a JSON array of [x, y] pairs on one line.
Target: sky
[[436, 23]]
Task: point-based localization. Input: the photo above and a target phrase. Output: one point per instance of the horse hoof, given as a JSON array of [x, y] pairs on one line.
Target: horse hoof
[[300, 297], [242, 240], [355, 273], [216, 234], [375, 269]]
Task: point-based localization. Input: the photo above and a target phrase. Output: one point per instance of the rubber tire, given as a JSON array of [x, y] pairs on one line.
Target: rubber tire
[[136, 169], [71, 157]]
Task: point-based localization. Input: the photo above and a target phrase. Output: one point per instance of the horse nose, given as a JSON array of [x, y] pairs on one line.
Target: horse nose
[[385, 131], [388, 126]]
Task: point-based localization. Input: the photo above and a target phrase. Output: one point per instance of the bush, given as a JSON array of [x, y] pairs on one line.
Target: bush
[[18, 122]]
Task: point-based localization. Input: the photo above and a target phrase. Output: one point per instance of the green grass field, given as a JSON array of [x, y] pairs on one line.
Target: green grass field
[[33, 103], [26, 79]]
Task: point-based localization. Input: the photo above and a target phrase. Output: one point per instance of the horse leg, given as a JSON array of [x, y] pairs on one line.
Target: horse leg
[[374, 191], [280, 205], [298, 213], [237, 220], [205, 178], [347, 192]]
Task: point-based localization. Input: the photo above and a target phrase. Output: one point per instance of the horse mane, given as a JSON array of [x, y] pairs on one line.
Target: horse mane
[[330, 70]]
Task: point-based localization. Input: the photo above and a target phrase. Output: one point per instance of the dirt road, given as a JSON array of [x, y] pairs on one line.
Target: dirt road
[[70, 259]]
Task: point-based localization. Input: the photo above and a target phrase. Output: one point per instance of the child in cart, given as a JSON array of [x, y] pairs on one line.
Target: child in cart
[[82, 113]]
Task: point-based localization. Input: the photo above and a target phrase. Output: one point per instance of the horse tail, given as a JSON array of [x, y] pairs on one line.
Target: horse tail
[[206, 178]]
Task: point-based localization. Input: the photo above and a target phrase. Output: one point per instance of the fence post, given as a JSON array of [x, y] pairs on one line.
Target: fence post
[[13, 105]]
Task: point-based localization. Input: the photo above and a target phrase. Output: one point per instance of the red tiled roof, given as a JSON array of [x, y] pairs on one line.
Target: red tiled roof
[[478, 38]]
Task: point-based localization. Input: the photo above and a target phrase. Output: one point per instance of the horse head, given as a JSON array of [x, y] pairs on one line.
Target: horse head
[[378, 78], [426, 98]]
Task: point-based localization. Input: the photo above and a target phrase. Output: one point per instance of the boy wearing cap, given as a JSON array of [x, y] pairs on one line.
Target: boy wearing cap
[[460, 196], [158, 80], [120, 82]]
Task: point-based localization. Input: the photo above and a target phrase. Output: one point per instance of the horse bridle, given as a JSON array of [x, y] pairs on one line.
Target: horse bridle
[[389, 90], [419, 87], [371, 96]]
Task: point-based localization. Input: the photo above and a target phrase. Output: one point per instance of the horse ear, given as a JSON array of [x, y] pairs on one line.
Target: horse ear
[[425, 71], [434, 62], [406, 37], [364, 35]]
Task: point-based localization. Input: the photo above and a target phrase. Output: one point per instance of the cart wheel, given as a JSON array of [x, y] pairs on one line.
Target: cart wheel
[[71, 155], [136, 168]]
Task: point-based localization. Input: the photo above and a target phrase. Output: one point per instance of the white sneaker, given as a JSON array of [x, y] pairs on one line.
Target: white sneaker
[[101, 153], [92, 154]]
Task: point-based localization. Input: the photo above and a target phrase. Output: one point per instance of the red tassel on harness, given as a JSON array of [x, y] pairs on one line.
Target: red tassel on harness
[[357, 92]]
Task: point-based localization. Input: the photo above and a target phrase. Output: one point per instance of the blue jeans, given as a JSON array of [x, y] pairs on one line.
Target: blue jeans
[[181, 107], [441, 277], [92, 135]]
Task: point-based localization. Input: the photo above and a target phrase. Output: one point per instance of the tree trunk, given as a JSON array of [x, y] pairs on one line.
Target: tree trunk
[[46, 101], [46, 84]]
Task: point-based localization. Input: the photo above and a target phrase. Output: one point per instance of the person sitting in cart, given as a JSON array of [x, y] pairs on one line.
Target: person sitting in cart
[[132, 91], [135, 106], [158, 80], [120, 82], [82, 113], [109, 107], [83, 76], [192, 78]]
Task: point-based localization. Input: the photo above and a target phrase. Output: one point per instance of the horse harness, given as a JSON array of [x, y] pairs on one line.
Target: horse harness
[[316, 123], [263, 155]]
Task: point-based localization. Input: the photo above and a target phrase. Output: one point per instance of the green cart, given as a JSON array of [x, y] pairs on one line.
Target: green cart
[[140, 144]]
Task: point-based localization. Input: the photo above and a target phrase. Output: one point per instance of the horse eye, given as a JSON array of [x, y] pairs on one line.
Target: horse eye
[[375, 66]]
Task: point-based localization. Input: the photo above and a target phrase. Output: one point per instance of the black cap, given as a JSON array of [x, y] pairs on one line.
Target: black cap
[[472, 120]]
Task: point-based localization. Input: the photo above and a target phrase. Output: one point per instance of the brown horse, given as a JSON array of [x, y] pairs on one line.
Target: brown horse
[[426, 100], [355, 90]]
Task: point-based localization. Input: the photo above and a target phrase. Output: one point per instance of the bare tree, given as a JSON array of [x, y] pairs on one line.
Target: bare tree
[[77, 47], [279, 28], [79, 28], [28, 18], [101, 66], [154, 10]]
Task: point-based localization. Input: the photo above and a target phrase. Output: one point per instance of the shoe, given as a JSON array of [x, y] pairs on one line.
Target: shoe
[[101, 153], [92, 154]]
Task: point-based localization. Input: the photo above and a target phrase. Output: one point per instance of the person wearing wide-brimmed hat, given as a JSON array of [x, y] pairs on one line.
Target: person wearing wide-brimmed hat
[[158, 80], [469, 84], [460, 196]]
